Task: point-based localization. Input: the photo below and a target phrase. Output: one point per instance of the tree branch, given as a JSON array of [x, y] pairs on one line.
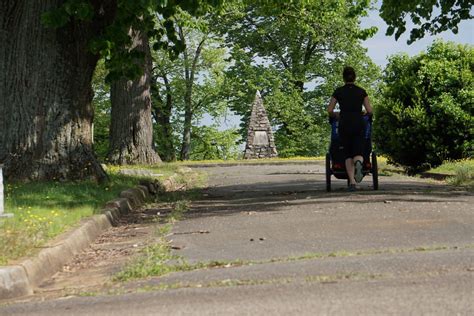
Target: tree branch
[[196, 57], [271, 39], [185, 52]]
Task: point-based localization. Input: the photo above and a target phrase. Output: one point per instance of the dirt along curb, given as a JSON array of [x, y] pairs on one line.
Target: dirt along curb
[[21, 279]]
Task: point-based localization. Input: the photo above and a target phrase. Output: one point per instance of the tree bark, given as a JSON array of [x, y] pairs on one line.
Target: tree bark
[[45, 92], [131, 130]]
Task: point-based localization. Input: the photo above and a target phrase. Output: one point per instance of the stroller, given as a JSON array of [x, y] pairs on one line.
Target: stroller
[[335, 160]]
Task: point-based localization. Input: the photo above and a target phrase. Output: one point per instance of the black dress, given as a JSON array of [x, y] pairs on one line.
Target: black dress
[[351, 124]]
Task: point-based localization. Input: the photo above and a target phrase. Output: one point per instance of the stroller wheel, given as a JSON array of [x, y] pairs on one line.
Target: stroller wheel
[[375, 172], [328, 173]]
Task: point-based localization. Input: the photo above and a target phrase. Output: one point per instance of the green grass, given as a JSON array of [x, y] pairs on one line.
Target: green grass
[[451, 167], [166, 169], [42, 210], [461, 172], [152, 261], [155, 259]]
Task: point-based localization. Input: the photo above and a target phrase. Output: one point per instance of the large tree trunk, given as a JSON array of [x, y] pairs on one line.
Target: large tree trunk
[[131, 130], [45, 92]]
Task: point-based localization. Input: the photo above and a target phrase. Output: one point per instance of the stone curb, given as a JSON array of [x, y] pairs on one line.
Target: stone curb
[[21, 279]]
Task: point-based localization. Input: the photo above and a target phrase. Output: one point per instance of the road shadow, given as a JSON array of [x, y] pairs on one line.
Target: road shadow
[[273, 196]]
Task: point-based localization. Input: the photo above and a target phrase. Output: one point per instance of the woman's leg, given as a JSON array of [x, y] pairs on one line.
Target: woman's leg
[[350, 170], [358, 168]]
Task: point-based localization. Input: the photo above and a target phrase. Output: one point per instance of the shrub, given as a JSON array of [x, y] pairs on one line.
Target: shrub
[[426, 116]]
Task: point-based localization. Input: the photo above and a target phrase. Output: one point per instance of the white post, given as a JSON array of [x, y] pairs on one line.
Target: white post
[[2, 214]]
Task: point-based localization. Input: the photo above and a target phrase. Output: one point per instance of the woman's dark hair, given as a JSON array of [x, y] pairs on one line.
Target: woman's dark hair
[[349, 74]]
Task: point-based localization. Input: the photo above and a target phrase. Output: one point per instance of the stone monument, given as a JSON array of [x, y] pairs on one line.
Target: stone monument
[[260, 141], [2, 214]]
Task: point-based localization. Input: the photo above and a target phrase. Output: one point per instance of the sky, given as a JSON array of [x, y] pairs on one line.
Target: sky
[[380, 46]]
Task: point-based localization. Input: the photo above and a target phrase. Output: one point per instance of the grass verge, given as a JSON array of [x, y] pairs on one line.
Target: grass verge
[[451, 167], [461, 173], [42, 210], [457, 173]]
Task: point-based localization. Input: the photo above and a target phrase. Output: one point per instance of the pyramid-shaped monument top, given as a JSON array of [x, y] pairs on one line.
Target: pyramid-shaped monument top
[[260, 141]]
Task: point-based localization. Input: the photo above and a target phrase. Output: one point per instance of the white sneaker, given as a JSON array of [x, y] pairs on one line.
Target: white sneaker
[[358, 175]]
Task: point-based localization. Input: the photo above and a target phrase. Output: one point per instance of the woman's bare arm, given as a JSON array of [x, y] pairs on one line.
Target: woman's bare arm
[[332, 106], [367, 106]]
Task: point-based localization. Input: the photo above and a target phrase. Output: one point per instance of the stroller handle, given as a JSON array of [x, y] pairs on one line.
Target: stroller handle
[[366, 116]]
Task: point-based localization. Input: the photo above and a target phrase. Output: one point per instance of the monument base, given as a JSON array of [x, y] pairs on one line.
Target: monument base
[[6, 215]]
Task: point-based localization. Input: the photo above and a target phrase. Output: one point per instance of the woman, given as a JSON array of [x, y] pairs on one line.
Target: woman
[[351, 123]]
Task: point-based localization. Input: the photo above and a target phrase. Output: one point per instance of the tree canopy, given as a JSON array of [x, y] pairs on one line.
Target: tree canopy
[[293, 52], [156, 18], [428, 16]]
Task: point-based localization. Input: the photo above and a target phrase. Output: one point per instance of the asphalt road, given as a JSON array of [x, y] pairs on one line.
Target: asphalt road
[[293, 249]]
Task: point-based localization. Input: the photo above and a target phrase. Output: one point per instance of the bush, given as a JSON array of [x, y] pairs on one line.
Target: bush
[[208, 143], [427, 112]]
